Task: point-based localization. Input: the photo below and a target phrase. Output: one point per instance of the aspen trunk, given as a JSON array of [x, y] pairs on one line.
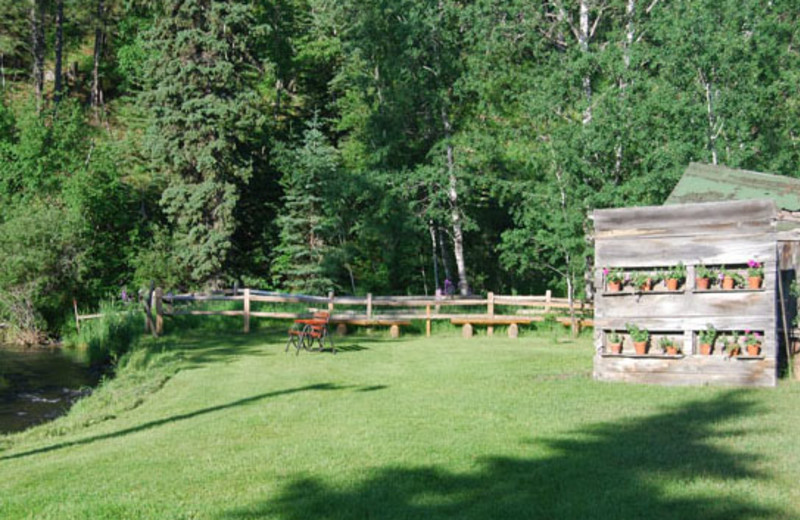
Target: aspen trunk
[[59, 50], [99, 37], [583, 43], [432, 230], [37, 49], [455, 210]]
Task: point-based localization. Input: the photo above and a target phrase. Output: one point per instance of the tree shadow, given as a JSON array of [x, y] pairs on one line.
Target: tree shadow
[[630, 469], [174, 418]]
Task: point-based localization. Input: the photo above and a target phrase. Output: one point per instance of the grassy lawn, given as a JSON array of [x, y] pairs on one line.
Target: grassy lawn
[[411, 428]]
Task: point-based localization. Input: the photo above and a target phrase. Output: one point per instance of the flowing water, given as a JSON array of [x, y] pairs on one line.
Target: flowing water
[[38, 385]]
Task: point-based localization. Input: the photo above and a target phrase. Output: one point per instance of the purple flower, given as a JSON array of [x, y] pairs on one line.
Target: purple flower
[[627, 277], [756, 334], [753, 263], [721, 276]]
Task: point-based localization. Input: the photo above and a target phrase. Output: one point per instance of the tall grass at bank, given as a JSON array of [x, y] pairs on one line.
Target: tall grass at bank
[[107, 338]]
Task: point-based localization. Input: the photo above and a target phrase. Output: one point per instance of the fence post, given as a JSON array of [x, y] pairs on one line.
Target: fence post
[[428, 321], [77, 319], [246, 310], [369, 306], [330, 302], [548, 296], [155, 305], [490, 312]]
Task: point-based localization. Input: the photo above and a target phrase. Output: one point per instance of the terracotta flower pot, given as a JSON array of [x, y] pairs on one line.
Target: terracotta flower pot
[[754, 282], [672, 351], [733, 349], [706, 349], [702, 283], [727, 283], [647, 286], [614, 286], [672, 284], [640, 347], [616, 348], [753, 350]]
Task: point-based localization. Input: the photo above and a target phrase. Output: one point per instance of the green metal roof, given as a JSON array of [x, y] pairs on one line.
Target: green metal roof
[[710, 183]]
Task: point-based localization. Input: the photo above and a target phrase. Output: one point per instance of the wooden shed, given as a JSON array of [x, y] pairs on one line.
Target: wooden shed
[[653, 239], [716, 218]]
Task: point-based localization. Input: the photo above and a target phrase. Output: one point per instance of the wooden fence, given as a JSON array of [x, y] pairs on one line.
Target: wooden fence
[[377, 310]]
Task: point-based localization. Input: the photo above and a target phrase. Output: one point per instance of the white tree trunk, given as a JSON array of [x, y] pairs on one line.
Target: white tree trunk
[[583, 43], [434, 254], [455, 211], [37, 49]]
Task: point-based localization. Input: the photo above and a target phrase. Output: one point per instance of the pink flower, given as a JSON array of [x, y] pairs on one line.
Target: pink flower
[[753, 263], [627, 277], [605, 271], [747, 331], [756, 334]]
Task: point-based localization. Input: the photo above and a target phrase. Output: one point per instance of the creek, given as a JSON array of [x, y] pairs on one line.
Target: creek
[[39, 384]]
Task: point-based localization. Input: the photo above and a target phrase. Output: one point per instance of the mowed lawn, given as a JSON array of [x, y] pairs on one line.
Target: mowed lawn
[[415, 428]]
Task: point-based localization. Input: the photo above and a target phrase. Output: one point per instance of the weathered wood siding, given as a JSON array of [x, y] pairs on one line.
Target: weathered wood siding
[[649, 238]]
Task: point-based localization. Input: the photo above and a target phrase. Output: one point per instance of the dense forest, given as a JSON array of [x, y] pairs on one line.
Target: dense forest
[[363, 145]]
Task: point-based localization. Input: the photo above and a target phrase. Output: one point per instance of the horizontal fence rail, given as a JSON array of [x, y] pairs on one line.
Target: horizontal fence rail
[[377, 310]]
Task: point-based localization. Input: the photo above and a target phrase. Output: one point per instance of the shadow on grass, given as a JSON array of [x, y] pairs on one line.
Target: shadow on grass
[[630, 469], [175, 418]]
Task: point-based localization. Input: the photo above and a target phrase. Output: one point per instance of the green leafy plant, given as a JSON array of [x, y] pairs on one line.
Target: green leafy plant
[[666, 343], [701, 271], [752, 338], [738, 279], [640, 278], [709, 335], [732, 338], [614, 338], [636, 333], [676, 272], [613, 275], [755, 268]]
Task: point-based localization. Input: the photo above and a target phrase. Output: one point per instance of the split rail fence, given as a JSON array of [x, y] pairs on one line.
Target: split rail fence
[[390, 311]]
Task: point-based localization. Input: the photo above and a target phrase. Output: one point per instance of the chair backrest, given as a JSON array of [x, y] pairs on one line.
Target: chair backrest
[[322, 315]]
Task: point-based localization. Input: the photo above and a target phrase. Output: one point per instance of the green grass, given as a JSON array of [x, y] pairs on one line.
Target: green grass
[[413, 428]]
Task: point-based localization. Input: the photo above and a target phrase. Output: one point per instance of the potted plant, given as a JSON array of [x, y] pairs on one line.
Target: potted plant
[[729, 278], [732, 346], [644, 281], [753, 342], [614, 343], [755, 273], [674, 275], [614, 278], [702, 277], [706, 339], [639, 336], [669, 346]]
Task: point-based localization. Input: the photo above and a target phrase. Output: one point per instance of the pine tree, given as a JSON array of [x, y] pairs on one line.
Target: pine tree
[[202, 109], [305, 225]]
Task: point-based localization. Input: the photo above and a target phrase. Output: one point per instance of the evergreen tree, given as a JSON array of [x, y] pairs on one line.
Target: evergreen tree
[[305, 225], [198, 89]]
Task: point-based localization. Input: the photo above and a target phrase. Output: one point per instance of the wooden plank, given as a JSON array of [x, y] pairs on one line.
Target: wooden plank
[[661, 252], [689, 304], [691, 370], [482, 319], [365, 322], [678, 323], [683, 218]]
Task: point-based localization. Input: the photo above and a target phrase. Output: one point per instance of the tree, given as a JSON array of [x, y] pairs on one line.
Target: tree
[[198, 91], [306, 227]]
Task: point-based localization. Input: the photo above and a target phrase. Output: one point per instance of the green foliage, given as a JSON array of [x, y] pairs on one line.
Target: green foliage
[[202, 112], [306, 226], [708, 336], [109, 337], [636, 333], [676, 272]]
